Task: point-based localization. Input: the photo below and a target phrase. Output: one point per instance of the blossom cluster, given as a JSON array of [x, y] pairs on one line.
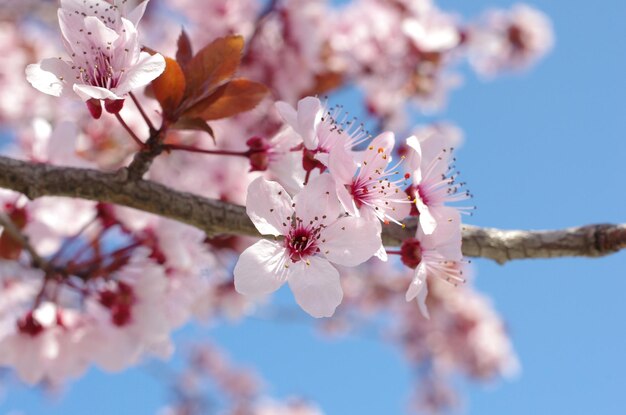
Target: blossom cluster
[[110, 284], [337, 215], [234, 390]]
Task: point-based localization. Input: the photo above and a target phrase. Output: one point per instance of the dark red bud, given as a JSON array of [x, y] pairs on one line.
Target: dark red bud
[[259, 153], [108, 298], [258, 161], [94, 107], [120, 314], [257, 143], [113, 106], [29, 325], [106, 215]]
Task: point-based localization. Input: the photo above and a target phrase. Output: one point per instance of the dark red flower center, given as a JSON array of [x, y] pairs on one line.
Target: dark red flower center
[[411, 253], [301, 242]]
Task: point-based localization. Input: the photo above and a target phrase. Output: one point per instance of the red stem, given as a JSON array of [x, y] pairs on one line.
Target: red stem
[[128, 129], [71, 239], [193, 149], [99, 259], [142, 112]]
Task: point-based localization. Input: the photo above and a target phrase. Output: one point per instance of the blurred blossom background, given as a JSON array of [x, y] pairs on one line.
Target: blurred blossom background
[[533, 97]]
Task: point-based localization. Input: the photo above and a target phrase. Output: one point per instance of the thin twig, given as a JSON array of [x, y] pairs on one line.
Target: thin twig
[[129, 130], [142, 112], [192, 149]]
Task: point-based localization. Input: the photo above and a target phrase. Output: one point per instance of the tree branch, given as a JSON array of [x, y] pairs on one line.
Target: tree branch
[[215, 217]]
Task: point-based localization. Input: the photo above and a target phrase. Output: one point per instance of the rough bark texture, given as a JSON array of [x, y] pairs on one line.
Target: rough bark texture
[[216, 217]]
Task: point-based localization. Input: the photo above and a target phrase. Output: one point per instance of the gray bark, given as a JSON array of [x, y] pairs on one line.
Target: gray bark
[[215, 217]]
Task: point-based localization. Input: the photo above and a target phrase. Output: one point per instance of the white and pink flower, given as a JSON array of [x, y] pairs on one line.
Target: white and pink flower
[[434, 255], [106, 61], [434, 184], [372, 188], [313, 237], [320, 129]]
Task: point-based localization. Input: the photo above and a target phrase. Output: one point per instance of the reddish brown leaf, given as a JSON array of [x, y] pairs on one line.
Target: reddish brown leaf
[[10, 248], [237, 96], [213, 66], [325, 82], [197, 124], [184, 52], [170, 86]]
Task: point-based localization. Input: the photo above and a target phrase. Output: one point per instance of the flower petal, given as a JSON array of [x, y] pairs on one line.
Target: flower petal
[[260, 269], [413, 159], [347, 201], [136, 14], [418, 283], [87, 92], [386, 141], [351, 241], [382, 254], [147, 69], [427, 221], [341, 165], [51, 76], [99, 33], [269, 206], [447, 236], [318, 199], [316, 286], [288, 113], [310, 113], [421, 297]]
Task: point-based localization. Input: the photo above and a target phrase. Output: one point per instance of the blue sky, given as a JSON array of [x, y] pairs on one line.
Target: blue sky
[[543, 149]]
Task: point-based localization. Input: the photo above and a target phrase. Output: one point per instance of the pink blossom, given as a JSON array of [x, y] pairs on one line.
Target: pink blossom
[[128, 316], [510, 40], [432, 32], [314, 237], [434, 137], [434, 184], [437, 255], [287, 41], [106, 58], [227, 17], [320, 130], [369, 188], [42, 344]]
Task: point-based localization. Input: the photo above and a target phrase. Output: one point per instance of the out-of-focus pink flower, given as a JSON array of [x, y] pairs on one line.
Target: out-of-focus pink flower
[[510, 40], [290, 407], [128, 315], [106, 61], [314, 237]]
